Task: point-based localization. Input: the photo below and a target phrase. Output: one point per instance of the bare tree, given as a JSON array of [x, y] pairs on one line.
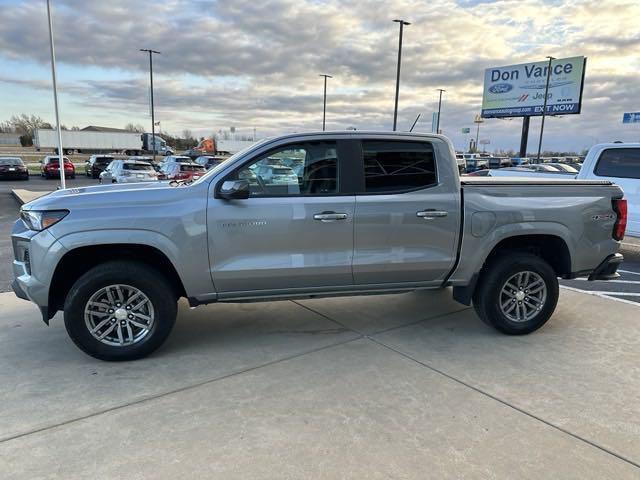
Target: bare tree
[[137, 128], [26, 125], [7, 127], [187, 134]]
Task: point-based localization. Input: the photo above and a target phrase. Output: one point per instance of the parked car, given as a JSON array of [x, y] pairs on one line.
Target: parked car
[[564, 168], [476, 163], [128, 171], [13, 168], [531, 171], [192, 154], [96, 164], [619, 163], [275, 174], [372, 213], [175, 158], [518, 161], [50, 167], [499, 162], [208, 161], [181, 171]]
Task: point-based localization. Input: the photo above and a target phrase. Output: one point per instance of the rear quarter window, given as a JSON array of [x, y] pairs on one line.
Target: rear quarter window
[[619, 162]]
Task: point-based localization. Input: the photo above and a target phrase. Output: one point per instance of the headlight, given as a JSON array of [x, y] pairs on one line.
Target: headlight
[[39, 220]]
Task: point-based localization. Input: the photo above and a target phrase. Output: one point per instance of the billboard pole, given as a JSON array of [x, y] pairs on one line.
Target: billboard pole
[[544, 108], [525, 136]]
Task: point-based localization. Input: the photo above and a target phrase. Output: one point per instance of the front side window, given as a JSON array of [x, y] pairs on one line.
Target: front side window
[[619, 162], [307, 168], [394, 166]]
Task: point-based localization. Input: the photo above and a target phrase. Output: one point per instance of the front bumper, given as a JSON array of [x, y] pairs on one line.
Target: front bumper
[[35, 256], [608, 269]]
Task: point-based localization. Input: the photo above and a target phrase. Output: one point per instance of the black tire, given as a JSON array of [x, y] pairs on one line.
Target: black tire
[[147, 280], [488, 294]]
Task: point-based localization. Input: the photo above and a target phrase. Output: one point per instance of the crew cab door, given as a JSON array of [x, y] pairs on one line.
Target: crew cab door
[[293, 233], [407, 217], [622, 167]]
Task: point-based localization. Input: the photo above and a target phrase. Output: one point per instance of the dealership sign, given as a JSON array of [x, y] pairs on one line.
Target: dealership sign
[[631, 117], [519, 90]]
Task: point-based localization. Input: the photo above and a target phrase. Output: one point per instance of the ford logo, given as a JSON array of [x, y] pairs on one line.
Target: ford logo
[[501, 88]]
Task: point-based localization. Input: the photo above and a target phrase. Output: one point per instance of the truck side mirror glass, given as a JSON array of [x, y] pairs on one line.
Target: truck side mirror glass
[[234, 189]]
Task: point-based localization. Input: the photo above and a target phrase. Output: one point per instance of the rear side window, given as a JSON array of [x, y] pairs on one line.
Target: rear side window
[[394, 166], [619, 162]]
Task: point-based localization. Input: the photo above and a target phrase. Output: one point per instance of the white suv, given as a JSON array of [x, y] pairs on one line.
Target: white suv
[[129, 171]]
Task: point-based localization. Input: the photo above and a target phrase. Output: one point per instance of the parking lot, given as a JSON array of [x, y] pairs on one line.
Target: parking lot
[[395, 386]]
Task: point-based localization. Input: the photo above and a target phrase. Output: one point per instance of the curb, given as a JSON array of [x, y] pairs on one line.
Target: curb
[[25, 196]]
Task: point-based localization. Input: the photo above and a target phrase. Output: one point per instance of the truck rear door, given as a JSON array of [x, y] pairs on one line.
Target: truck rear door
[[407, 215]]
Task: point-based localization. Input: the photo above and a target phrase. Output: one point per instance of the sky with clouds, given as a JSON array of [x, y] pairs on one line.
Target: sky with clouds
[[255, 64]]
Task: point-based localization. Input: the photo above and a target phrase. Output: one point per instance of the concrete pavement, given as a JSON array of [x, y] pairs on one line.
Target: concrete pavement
[[396, 386]]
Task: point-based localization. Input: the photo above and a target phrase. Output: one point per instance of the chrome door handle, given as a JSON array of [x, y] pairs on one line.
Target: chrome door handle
[[431, 214], [330, 216]]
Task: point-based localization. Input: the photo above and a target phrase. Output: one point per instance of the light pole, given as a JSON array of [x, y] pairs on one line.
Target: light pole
[[55, 98], [153, 118], [439, 108], [544, 108], [324, 104], [395, 110]]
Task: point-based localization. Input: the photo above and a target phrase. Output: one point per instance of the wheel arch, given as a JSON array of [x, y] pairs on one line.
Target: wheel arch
[[552, 248], [79, 260]]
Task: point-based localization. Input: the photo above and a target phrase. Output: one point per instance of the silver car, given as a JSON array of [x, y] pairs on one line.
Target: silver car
[[128, 171]]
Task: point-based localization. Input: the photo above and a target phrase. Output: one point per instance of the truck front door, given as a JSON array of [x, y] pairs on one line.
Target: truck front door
[[294, 232]]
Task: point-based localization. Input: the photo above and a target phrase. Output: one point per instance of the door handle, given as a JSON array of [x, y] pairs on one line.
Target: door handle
[[330, 216], [431, 214]]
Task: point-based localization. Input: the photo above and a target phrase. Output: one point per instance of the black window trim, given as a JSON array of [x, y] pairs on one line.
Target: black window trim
[[343, 168], [362, 192], [595, 170]]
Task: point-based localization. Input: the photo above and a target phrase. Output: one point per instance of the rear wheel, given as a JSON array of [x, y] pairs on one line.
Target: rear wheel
[[120, 311], [517, 293]]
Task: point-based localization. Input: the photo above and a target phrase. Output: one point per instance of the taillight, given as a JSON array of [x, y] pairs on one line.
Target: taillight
[[181, 176], [620, 207]]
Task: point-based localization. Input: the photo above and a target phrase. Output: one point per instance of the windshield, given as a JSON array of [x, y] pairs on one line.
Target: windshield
[[103, 160], [10, 161]]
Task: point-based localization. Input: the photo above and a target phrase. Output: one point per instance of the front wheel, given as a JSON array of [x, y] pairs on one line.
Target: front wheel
[[120, 310], [517, 293]]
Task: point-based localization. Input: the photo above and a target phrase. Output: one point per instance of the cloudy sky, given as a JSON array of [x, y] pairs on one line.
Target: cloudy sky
[[255, 64]]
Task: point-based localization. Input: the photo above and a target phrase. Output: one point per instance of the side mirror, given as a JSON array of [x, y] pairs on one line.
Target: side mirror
[[234, 190]]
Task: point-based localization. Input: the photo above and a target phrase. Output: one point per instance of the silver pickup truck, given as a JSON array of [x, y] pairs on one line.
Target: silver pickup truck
[[310, 215]]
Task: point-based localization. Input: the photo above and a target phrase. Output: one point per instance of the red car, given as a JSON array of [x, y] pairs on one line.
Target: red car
[[181, 171], [51, 168]]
